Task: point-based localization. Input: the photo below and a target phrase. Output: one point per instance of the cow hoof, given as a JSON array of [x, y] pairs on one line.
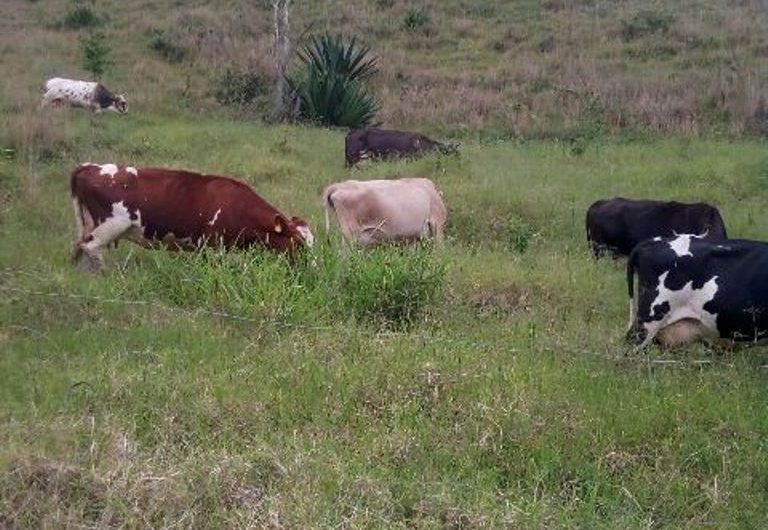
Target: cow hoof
[[86, 262]]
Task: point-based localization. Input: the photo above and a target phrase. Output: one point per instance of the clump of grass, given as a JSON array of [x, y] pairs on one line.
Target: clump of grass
[[80, 17], [390, 286], [644, 23], [415, 18], [517, 234], [167, 45]]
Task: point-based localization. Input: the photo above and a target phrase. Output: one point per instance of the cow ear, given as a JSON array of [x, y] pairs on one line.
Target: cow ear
[[281, 224]]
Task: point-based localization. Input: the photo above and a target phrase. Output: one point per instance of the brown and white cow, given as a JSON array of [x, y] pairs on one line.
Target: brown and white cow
[[157, 207], [378, 211], [84, 94]]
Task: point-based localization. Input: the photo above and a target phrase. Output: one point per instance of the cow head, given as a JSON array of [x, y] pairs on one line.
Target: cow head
[[287, 234], [120, 104]]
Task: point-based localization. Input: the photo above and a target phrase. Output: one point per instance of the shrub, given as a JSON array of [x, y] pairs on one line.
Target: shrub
[[415, 18], [166, 45], [95, 53], [234, 87], [390, 286], [80, 17], [330, 84], [645, 23]]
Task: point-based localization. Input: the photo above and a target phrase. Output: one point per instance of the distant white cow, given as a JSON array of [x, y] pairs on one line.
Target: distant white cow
[[379, 211], [84, 94]]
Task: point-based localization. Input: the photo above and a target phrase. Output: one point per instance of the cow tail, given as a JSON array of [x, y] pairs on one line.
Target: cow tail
[[328, 204]]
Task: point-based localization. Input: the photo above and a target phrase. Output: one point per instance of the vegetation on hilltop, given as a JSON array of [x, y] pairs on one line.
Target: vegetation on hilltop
[[559, 68]]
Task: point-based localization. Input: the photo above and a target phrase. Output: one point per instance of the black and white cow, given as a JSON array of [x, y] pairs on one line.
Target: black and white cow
[[690, 288], [617, 225], [84, 94]]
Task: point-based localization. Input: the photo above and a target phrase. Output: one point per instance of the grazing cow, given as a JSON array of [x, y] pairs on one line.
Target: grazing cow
[[689, 288], [617, 225], [84, 94], [379, 211], [177, 209], [361, 144]]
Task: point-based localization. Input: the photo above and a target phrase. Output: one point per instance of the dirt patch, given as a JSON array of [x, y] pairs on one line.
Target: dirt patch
[[506, 300]]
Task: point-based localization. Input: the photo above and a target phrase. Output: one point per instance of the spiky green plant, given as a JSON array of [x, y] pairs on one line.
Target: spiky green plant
[[330, 83]]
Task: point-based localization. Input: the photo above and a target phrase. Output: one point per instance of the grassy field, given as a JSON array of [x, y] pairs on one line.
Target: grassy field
[[214, 391], [485, 384]]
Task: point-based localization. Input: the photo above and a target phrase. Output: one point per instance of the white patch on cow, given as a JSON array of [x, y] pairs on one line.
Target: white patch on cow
[[306, 233], [132, 170], [685, 303], [108, 170], [111, 229], [215, 216], [657, 238], [681, 245]]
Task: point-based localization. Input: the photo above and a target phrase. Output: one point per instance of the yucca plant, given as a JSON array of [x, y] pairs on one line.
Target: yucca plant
[[330, 83]]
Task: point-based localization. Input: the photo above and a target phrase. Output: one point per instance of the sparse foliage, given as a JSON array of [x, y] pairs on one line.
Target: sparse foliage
[[645, 23]]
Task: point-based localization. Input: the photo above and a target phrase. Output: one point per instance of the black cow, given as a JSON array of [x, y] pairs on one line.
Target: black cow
[[367, 143], [617, 225], [689, 287]]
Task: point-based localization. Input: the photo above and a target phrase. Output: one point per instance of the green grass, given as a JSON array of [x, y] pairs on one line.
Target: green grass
[[214, 391]]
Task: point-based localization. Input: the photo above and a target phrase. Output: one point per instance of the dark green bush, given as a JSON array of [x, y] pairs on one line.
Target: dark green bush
[[645, 23], [330, 83], [80, 17], [166, 44], [415, 18]]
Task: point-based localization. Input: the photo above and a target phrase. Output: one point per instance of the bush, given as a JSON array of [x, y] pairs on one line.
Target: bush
[[645, 23], [80, 17], [95, 53], [329, 86], [415, 18], [390, 286], [234, 87], [166, 45]]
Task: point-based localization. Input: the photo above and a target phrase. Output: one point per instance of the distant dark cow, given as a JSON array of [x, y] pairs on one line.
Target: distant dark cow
[[178, 209], [690, 288], [361, 144], [617, 225], [84, 94]]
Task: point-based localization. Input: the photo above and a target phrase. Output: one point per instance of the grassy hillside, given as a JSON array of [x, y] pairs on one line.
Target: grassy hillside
[[213, 390], [513, 69]]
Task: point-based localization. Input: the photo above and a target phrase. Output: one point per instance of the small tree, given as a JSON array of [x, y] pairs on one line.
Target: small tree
[[95, 53]]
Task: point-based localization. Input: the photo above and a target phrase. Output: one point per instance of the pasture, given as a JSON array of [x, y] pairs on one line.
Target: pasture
[[238, 391], [483, 384]]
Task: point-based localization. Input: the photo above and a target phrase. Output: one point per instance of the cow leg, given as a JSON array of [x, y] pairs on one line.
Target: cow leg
[[88, 253]]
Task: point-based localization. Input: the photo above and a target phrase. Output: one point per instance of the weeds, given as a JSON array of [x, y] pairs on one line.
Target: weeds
[[167, 45], [415, 18], [241, 87]]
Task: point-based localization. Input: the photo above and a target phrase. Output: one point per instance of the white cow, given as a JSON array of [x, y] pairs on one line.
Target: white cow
[[84, 94], [379, 211]]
